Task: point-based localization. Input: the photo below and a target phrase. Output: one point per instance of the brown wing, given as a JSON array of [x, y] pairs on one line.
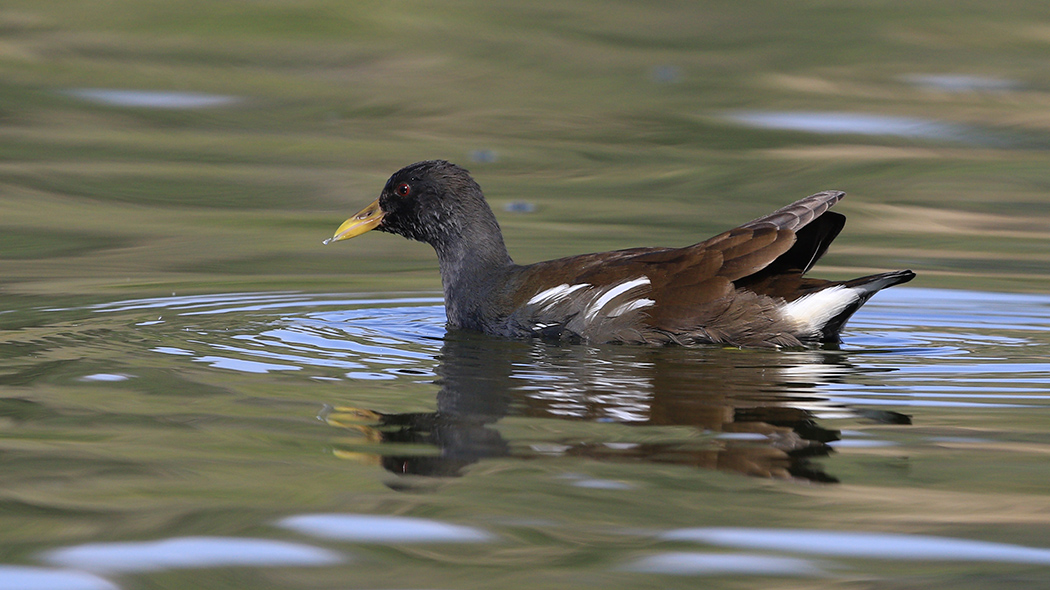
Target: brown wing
[[731, 255], [801, 212], [705, 271], [686, 284]]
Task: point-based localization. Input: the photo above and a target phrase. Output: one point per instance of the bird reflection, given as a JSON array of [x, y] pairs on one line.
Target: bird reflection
[[749, 412]]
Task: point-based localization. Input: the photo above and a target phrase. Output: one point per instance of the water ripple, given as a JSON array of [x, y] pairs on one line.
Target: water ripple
[[934, 348], [189, 552], [684, 563], [17, 577], [368, 528], [863, 544]]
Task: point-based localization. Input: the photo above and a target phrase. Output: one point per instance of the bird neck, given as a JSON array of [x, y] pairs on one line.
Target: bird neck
[[474, 264]]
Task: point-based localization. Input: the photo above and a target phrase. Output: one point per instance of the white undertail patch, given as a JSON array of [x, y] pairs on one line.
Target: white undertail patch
[[812, 312]]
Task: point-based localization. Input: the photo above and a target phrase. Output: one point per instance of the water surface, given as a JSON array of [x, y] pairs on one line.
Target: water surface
[[288, 439]]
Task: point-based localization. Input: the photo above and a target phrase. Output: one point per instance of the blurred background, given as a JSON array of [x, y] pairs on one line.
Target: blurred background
[[150, 147]]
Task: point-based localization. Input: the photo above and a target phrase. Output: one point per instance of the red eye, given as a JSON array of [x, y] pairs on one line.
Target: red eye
[[403, 189]]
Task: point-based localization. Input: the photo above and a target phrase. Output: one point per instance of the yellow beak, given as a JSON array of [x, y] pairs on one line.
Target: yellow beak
[[366, 220]]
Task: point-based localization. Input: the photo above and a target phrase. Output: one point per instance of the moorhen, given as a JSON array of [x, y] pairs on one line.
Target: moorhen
[[744, 287]]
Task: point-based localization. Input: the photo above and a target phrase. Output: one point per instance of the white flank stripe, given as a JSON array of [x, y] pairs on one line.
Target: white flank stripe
[[596, 307], [551, 296], [815, 310], [631, 306]]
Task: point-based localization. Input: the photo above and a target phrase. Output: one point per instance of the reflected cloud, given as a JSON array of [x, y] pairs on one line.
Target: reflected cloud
[[840, 123], [243, 366], [189, 552], [17, 577], [105, 377], [683, 563], [602, 484], [961, 83], [368, 528], [152, 99], [862, 544]]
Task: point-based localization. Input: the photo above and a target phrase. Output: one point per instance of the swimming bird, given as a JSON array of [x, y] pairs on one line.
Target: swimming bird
[[744, 287]]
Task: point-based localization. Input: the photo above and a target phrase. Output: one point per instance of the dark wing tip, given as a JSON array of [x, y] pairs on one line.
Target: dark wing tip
[[801, 212]]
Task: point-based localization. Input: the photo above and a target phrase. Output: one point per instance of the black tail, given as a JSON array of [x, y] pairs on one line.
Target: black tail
[[866, 286]]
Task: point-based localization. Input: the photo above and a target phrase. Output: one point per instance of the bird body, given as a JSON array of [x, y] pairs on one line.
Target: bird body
[[743, 287]]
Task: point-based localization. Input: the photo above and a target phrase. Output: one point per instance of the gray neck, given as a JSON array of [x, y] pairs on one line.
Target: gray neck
[[472, 267]]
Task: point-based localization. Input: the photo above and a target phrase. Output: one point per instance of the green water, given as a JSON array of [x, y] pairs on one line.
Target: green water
[[609, 119], [183, 362], [223, 420]]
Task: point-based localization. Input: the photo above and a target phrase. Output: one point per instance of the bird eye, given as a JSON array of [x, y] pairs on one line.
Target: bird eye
[[403, 189]]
